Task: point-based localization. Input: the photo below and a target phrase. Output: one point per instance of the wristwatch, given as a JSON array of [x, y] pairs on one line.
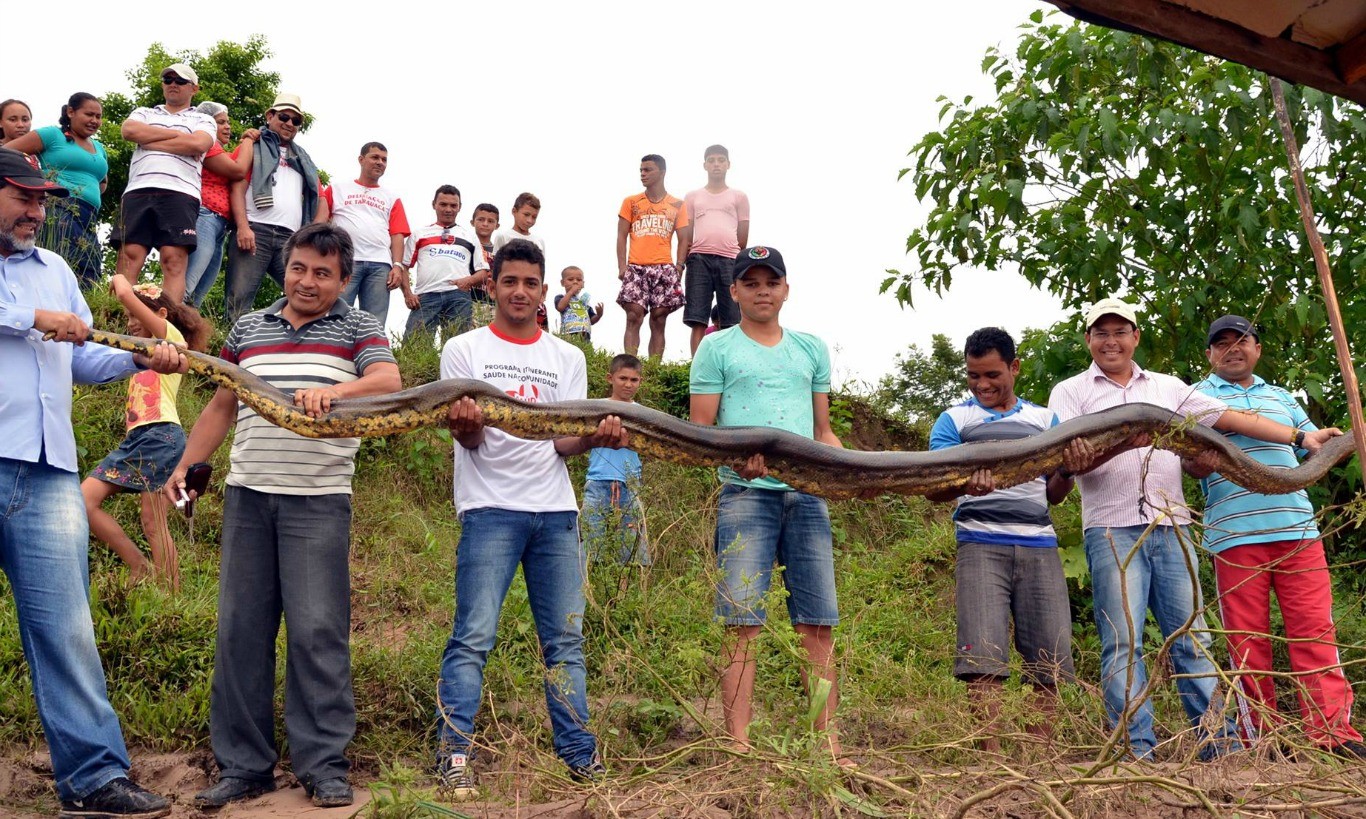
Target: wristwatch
[[1299, 439]]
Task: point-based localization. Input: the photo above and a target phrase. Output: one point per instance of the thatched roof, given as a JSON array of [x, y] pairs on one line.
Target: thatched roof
[[1319, 43]]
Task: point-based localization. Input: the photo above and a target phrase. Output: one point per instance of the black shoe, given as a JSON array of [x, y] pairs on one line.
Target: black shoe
[[1351, 749], [331, 793], [455, 779], [594, 771], [232, 789], [117, 799]]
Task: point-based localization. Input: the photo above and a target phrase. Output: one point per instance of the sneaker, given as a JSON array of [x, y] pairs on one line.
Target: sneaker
[[331, 793], [594, 771], [455, 779], [230, 789], [117, 799], [1351, 749]]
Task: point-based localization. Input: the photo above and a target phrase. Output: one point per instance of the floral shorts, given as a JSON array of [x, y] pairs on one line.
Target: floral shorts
[[652, 286], [145, 459]]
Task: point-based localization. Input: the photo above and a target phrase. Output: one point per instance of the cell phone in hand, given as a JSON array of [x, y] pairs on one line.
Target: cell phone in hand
[[196, 481]]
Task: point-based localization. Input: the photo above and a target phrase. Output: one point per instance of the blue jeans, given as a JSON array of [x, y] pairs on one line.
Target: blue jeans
[[1159, 574], [44, 550], [546, 544], [246, 269], [612, 522], [201, 271], [369, 281], [453, 308], [756, 528], [72, 234]]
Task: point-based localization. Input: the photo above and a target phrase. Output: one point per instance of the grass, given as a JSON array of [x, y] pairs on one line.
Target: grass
[[651, 647]]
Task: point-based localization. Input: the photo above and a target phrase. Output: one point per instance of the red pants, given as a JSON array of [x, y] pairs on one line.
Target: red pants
[[1297, 571]]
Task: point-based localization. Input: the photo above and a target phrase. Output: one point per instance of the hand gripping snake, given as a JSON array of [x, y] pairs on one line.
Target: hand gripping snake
[[801, 462]]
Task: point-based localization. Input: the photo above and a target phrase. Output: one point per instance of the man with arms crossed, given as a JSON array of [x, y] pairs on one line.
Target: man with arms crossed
[[1270, 543], [287, 530], [1136, 528]]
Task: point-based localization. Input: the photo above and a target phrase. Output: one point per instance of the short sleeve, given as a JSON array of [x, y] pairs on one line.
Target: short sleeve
[[1189, 401], [214, 150], [327, 197], [820, 376], [625, 211], [944, 433], [1062, 403], [704, 377], [398, 220], [454, 362], [205, 124], [410, 251], [741, 206], [52, 136], [370, 344], [681, 221]]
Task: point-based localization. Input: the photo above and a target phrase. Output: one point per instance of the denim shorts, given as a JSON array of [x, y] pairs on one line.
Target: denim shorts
[[707, 275], [145, 459], [756, 528]]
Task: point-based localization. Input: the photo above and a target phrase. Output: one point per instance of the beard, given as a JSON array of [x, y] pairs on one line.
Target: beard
[[11, 243]]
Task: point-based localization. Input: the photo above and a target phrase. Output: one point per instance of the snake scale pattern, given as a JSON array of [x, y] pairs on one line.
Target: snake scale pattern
[[802, 463]]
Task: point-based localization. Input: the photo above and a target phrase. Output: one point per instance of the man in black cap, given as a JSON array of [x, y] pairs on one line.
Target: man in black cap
[[44, 537], [1270, 543]]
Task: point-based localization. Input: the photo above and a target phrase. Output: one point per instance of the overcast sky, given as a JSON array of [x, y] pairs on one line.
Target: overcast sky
[[817, 104]]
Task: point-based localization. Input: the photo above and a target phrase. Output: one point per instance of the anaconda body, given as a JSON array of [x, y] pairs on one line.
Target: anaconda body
[[801, 462]]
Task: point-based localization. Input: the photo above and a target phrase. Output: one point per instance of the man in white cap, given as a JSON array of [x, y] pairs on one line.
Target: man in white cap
[[1135, 525], [160, 206], [280, 194]]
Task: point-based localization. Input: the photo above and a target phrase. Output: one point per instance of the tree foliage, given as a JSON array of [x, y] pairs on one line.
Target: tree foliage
[[1113, 163], [229, 73], [921, 385]]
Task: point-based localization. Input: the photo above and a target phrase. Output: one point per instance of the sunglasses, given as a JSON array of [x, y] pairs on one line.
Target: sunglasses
[[289, 119], [174, 81]]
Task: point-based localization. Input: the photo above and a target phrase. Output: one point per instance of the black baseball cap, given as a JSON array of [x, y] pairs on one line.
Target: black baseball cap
[[16, 171], [1237, 323], [758, 256]]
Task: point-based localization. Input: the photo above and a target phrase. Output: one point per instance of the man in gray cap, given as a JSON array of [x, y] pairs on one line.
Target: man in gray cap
[[160, 206], [280, 194], [1270, 543], [1135, 526], [44, 537]]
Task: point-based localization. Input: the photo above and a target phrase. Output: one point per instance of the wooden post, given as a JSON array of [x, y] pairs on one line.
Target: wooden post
[[1330, 296]]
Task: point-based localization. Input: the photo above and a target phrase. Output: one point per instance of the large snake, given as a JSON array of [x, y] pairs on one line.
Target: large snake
[[801, 462]]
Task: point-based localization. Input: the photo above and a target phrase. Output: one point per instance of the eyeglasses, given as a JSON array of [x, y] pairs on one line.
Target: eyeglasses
[[289, 119], [1118, 335], [173, 80]]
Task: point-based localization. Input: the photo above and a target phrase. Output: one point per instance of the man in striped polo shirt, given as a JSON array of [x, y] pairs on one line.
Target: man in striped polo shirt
[[1007, 549], [287, 530], [1266, 543], [1136, 528], [160, 205]]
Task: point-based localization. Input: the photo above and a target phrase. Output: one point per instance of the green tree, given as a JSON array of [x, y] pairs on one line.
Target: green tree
[[1113, 163], [921, 385], [229, 73]]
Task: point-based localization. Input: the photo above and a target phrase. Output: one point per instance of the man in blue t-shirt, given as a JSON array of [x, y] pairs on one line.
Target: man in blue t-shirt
[[1266, 543], [760, 374], [612, 514], [1007, 551]]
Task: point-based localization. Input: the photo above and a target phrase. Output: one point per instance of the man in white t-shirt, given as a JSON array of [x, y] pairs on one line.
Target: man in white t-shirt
[[516, 505], [280, 194], [374, 218], [160, 205], [448, 265]]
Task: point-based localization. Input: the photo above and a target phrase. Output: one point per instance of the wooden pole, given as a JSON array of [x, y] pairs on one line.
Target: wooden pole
[[1330, 296]]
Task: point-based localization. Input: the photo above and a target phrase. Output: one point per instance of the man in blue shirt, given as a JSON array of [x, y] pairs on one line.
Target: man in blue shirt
[[44, 537], [1266, 543], [1007, 560]]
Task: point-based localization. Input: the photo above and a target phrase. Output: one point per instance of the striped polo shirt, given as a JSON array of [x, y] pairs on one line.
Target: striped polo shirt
[[1017, 516], [1235, 516], [331, 350]]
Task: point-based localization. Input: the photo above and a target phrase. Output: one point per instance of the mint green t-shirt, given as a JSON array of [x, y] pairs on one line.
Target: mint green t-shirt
[[78, 170], [762, 386]]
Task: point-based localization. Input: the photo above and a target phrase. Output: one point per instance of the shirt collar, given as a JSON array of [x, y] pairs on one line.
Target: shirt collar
[[1097, 372], [1221, 383], [22, 255], [1019, 405], [339, 308]]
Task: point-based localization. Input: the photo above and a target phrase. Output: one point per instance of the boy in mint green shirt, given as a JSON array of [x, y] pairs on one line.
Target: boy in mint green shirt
[[760, 374]]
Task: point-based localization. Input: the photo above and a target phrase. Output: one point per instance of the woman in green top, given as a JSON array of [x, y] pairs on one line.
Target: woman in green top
[[71, 153]]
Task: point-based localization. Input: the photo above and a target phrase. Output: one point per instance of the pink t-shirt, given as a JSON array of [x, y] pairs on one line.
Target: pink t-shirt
[[716, 219], [1110, 492], [371, 215]]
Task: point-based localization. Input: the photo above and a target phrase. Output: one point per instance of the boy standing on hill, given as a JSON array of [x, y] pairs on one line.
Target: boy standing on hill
[[516, 506], [611, 511], [760, 374], [526, 209], [1007, 560], [577, 313], [719, 228], [485, 222], [650, 282]]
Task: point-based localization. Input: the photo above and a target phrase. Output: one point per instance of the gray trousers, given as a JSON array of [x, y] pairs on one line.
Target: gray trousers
[[245, 270], [283, 554]]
